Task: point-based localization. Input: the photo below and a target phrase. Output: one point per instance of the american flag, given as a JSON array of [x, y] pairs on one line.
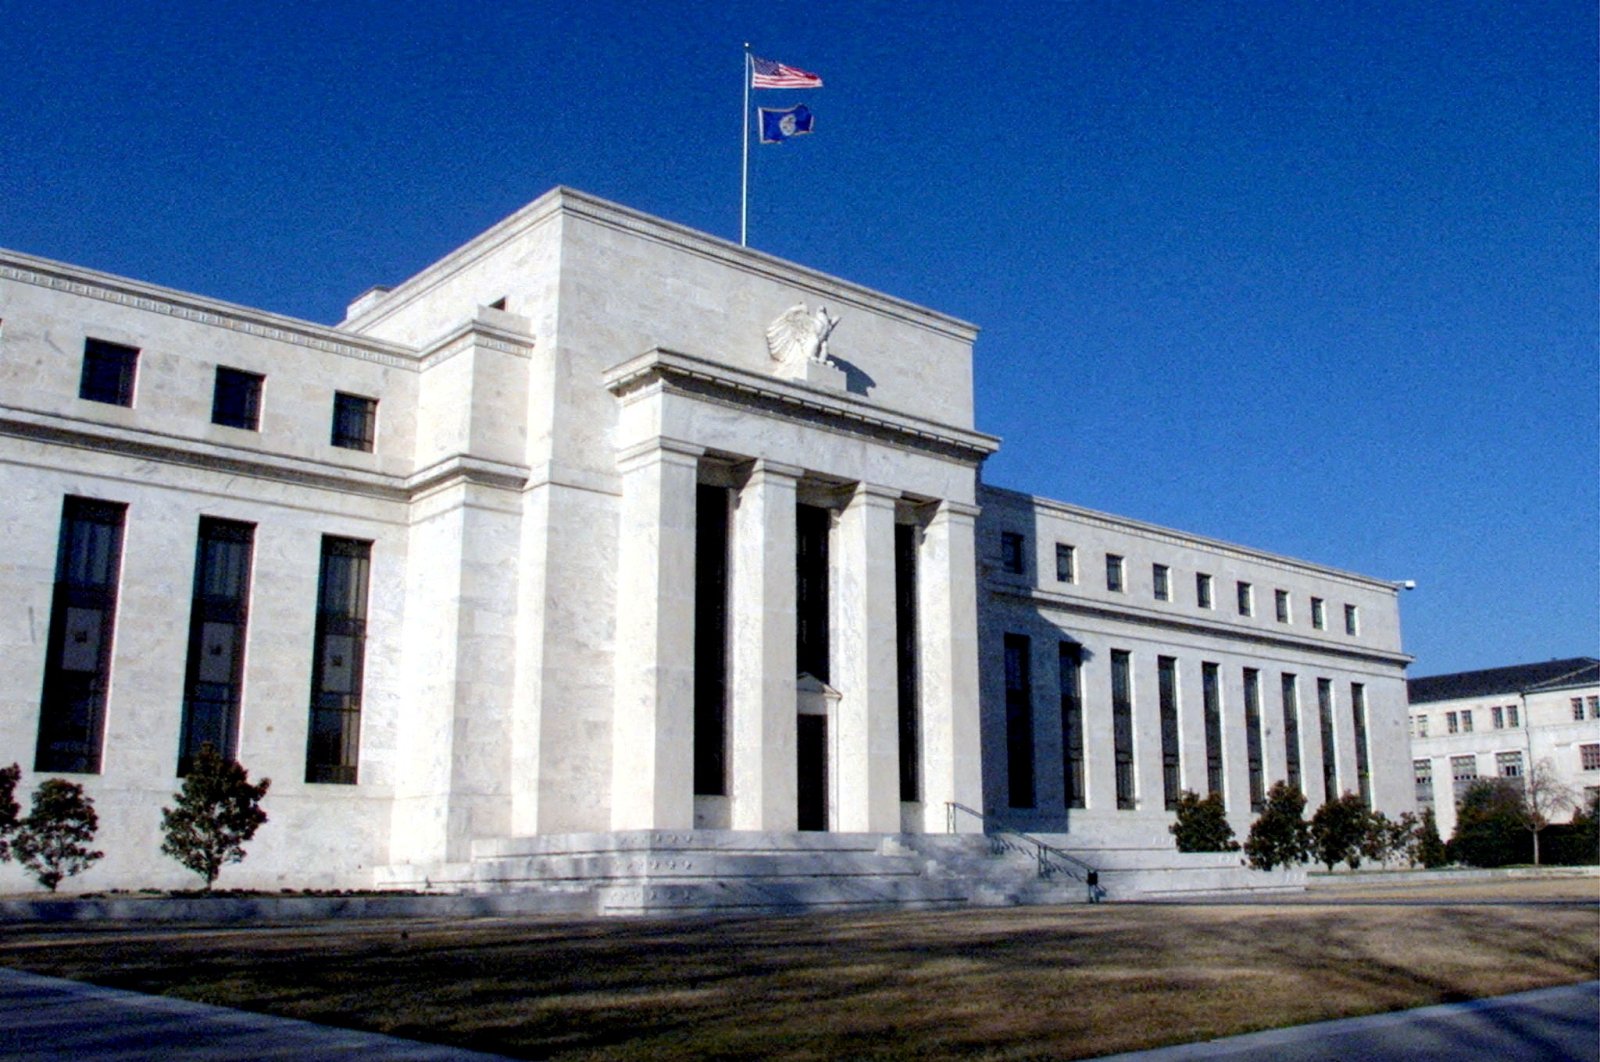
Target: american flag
[[765, 74]]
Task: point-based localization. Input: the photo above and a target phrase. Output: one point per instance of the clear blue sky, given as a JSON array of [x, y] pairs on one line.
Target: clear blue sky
[[1320, 278]]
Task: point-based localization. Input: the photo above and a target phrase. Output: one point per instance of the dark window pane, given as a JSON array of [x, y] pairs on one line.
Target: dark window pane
[[908, 650], [1122, 725], [236, 399], [108, 370], [78, 651], [1019, 721], [338, 661], [355, 421], [217, 619], [812, 525], [1072, 722], [711, 641]]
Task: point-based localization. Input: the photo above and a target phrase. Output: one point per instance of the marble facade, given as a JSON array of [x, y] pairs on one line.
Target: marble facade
[[552, 399]]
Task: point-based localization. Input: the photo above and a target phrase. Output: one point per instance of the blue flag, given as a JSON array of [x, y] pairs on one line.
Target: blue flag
[[779, 124]]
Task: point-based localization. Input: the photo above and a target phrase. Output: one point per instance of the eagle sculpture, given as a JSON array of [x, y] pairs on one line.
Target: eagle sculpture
[[800, 334]]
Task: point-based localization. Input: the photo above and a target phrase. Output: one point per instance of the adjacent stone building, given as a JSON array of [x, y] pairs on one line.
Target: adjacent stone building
[[602, 531], [1503, 722]]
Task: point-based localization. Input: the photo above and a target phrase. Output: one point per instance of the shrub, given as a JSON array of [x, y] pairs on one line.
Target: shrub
[[1202, 824], [1427, 847], [215, 813], [1280, 837], [1491, 828], [52, 840], [1337, 831], [9, 776]]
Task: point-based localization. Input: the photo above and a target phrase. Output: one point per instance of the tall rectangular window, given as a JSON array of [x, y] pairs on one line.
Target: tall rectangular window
[[83, 607], [1072, 724], [1463, 772], [1066, 563], [1499, 716], [355, 422], [1358, 716], [812, 527], [1352, 620], [1422, 725], [1011, 556], [1281, 603], [1202, 589], [1577, 709], [1466, 720], [1167, 692], [1247, 599], [1511, 718], [1319, 614], [1330, 772], [236, 399], [1122, 726], [1113, 573], [907, 653], [711, 640], [108, 372], [1291, 732], [338, 662], [1211, 703], [1019, 721], [1452, 723], [1161, 581], [1422, 772], [1252, 738], [218, 615]]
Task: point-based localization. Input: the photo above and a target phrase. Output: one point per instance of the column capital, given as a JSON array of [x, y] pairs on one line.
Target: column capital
[[874, 494], [949, 510], [658, 449], [762, 469]]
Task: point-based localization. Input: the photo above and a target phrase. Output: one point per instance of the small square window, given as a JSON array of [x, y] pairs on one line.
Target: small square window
[[1160, 579], [1319, 616], [355, 421], [1352, 625], [108, 371], [1066, 563], [1281, 599], [1202, 589], [236, 399], [1247, 599], [1113, 573], [1589, 757]]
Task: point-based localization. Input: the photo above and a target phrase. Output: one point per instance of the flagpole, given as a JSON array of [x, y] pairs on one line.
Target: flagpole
[[744, 183]]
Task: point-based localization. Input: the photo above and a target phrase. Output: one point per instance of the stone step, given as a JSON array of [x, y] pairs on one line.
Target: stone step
[[777, 895]]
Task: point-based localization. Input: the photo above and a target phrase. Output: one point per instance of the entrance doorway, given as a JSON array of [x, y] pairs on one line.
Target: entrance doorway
[[812, 777]]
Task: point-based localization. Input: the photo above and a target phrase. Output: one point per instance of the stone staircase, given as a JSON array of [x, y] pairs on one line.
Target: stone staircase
[[729, 871]]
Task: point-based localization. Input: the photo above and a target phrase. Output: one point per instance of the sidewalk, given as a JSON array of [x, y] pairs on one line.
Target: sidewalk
[[1546, 1025], [48, 1018]]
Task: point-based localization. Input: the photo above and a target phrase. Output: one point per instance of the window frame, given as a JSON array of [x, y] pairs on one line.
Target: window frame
[[109, 373], [1066, 563], [237, 386], [1116, 581], [1013, 553], [1161, 582], [345, 403], [1203, 596]]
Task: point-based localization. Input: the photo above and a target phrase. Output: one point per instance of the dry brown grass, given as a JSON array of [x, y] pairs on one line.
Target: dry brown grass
[[1003, 984]]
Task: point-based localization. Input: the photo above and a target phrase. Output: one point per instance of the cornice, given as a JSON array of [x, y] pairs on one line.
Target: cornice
[[685, 373], [477, 333], [151, 298], [1058, 603], [1179, 539], [569, 202]]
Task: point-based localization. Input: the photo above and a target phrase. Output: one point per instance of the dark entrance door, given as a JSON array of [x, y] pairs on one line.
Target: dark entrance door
[[812, 776]]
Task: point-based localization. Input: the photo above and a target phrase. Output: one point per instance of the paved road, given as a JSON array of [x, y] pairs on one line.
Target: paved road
[[1548, 1025], [48, 1018]]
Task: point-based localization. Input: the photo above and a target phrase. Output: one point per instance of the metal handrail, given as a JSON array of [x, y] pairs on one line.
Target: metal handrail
[[1042, 851]]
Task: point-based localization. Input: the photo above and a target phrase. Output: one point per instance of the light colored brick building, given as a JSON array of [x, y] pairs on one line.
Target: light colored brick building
[[570, 540]]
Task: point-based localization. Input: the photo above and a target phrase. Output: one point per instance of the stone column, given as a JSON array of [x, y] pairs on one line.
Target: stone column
[[652, 726], [762, 632], [865, 731], [947, 605]]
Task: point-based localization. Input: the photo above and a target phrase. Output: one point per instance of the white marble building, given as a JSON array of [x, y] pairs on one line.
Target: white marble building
[[571, 535], [1504, 722]]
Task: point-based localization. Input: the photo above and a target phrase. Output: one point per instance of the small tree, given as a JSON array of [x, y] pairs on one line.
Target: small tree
[[9, 776], [1202, 824], [1490, 829], [1427, 847], [1544, 796], [52, 840], [216, 812], [1280, 837], [1337, 830]]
